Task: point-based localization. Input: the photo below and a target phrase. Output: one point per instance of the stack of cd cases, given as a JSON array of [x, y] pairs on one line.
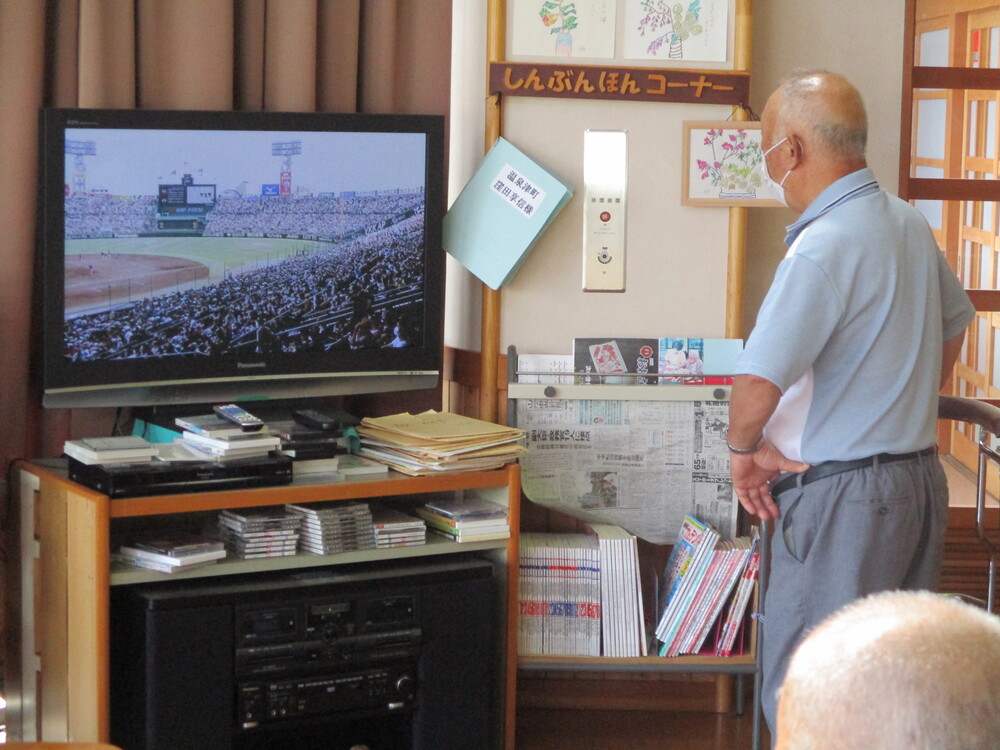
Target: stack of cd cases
[[259, 532], [394, 528], [332, 527]]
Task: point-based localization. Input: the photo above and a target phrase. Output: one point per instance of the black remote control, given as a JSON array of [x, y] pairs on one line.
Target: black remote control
[[239, 416], [316, 419]]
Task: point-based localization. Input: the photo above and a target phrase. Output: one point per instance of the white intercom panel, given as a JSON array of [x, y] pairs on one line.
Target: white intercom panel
[[605, 175]]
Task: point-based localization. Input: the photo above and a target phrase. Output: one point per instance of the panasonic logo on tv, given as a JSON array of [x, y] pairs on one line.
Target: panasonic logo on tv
[[250, 365]]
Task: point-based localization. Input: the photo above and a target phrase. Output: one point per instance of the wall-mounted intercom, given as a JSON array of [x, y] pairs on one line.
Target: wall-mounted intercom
[[605, 177]]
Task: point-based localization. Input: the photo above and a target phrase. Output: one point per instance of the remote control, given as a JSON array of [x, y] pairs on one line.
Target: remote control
[[316, 419], [239, 416]]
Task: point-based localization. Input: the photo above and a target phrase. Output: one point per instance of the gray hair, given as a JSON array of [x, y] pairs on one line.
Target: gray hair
[[895, 671], [828, 107]]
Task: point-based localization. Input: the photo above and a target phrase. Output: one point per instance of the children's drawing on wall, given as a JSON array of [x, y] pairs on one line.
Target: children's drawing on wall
[[564, 28], [723, 164], [560, 17], [695, 30]]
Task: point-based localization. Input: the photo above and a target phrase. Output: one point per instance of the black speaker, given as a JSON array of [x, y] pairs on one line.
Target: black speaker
[[391, 656]]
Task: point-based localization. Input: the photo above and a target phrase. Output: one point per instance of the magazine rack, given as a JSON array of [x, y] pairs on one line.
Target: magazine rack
[[741, 666]]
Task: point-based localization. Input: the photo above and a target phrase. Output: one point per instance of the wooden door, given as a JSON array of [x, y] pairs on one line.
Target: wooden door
[[950, 166]]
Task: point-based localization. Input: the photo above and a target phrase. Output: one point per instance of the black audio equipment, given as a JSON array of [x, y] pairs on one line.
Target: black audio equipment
[[390, 656], [164, 478]]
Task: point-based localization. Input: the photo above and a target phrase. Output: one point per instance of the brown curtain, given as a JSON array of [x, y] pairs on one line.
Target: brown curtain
[[276, 55]]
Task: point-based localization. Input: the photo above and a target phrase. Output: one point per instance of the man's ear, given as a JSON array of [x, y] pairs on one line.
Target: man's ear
[[795, 149]]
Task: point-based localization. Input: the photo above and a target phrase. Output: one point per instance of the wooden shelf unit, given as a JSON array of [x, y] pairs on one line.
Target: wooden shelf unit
[[58, 682], [740, 666]]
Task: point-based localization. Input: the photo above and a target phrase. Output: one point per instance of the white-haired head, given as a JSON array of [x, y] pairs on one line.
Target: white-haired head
[[895, 671]]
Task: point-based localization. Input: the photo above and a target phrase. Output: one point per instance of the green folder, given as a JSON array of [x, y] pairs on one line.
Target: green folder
[[501, 212]]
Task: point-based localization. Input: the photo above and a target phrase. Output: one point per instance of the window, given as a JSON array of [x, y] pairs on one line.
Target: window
[[950, 161]]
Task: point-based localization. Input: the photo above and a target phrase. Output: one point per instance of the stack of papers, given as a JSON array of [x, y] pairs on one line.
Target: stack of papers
[[434, 442], [623, 624]]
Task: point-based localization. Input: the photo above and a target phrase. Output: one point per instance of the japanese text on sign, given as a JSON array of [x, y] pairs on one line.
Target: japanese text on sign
[[517, 190], [637, 84]]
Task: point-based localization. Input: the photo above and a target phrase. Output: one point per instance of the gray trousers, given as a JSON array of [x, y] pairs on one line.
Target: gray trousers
[[841, 538]]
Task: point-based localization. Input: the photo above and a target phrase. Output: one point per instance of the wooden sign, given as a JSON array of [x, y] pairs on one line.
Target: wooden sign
[[620, 84]]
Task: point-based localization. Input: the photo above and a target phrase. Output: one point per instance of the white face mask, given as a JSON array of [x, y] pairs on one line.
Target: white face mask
[[777, 188]]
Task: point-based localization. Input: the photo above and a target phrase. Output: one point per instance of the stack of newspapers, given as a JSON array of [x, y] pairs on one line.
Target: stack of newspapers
[[707, 585], [433, 442]]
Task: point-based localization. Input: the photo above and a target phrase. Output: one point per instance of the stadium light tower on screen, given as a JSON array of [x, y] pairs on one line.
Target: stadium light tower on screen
[[286, 149], [80, 149]]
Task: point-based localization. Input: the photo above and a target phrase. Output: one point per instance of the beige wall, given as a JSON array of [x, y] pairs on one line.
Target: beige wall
[[467, 129], [862, 40], [676, 256]]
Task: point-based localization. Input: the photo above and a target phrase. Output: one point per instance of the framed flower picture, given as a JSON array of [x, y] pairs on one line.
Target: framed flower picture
[[723, 165]]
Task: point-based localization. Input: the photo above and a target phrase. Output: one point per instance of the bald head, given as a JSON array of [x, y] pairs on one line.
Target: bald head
[[814, 132], [826, 109], [895, 671]]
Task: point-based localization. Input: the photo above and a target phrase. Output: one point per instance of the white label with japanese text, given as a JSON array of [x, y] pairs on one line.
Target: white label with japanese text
[[518, 190]]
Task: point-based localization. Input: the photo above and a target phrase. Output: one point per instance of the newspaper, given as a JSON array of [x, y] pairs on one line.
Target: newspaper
[[642, 465], [545, 368]]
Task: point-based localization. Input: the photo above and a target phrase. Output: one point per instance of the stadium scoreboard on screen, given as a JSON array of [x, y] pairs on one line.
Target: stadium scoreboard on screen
[[182, 208], [185, 199]]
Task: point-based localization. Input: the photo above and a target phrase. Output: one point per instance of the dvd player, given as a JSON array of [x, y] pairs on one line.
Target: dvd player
[[163, 478]]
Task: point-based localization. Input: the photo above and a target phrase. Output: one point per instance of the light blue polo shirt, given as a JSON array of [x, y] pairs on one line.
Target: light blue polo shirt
[[852, 327]]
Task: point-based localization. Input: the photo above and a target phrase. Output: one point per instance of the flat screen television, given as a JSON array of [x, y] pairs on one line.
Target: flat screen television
[[197, 257]]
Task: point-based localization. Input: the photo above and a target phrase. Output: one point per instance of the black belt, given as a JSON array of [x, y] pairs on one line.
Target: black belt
[[829, 468]]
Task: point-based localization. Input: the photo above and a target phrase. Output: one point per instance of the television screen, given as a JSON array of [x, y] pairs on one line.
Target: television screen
[[190, 257]]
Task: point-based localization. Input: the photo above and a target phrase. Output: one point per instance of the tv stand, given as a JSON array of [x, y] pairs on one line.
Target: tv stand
[[58, 665]]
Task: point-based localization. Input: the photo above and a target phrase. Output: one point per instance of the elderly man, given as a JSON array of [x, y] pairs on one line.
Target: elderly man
[[895, 671], [833, 410]]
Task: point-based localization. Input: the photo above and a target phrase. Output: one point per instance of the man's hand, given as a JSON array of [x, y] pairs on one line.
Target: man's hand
[[752, 474]]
